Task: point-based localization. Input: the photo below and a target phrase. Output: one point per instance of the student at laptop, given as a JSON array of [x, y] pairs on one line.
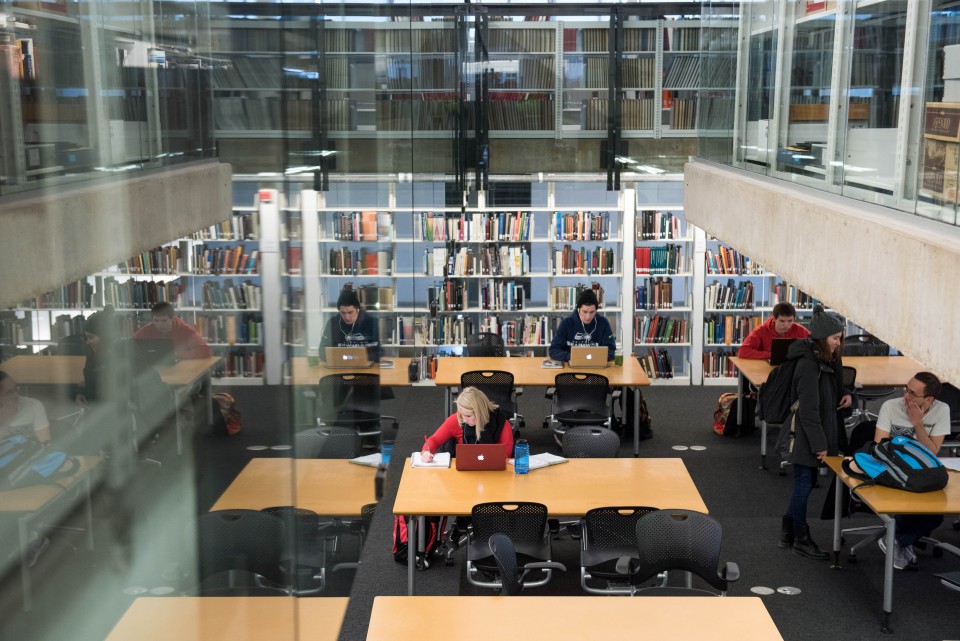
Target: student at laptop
[[187, 342], [476, 420], [351, 327], [583, 327], [780, 325]]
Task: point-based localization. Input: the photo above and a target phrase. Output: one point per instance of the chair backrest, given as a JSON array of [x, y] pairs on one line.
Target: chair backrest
[[679, 540], [864, 345], [485, 344], [849, 376], [505, 554], [246, 540], [339, 393], [950, 395], [305, 524], [366, 517], [579, 391], [497, 385], [524, 522], [327, 442], [590, 442], [613, 527]]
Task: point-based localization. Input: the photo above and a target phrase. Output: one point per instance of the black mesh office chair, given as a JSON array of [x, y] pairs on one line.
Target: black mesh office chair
[[353, 401], [305, 557], [512, 576], [525, 524], [327, 442], [608, 534], [590, 442], [684, 540], [579, 399], [951, 396], [498, 387], [485, 344], [867, 345]]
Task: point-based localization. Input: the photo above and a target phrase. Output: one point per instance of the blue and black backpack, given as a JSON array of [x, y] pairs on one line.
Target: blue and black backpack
[[25, 462], [899, 462]]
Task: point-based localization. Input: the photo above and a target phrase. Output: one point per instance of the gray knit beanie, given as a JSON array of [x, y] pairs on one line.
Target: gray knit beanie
[[823, 324]]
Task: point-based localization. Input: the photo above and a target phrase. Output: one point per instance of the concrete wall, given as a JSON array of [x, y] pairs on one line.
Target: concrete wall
[[893, 273], [53, 237]]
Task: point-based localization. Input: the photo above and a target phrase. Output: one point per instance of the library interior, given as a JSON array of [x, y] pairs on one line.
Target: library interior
[[257, 254]]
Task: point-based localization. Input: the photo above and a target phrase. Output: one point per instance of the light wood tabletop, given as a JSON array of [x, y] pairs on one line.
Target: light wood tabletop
[[331, 487], [872, 371], [231, 619], [36, 497], [548, 618], [68, 370], [887, 500], [570, 488], [529, 371], [301, 373]]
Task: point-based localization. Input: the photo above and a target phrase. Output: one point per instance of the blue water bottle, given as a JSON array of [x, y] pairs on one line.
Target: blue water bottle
[[521, 457]]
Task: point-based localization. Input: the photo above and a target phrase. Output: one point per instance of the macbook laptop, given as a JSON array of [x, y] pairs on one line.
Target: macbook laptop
[[347, 357], [150, 352], [778, 350], [481, 457], [581, 356]]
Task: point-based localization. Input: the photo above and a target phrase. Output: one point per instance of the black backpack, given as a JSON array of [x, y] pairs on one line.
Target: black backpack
[[25, 462], [899, 462], [776, 394]]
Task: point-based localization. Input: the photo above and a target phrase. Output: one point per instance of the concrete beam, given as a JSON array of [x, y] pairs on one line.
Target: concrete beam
[[55, 237], [888, 271]]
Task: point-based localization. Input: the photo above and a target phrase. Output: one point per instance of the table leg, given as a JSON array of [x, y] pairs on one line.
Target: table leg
[[23, 533], [412, 542], [205, 393], [636, 419], [837, 515], [889, 539], [177, 421], [763, 444], [739, 399], [88, 510]]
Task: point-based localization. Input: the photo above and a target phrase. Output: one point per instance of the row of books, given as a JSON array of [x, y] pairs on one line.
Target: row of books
[[732, 295], [661, 259], [237, 227], [501, 296], [17, 331], [227, 295], [354, 262], [716, 112], [660, 329], [424, 73], [240, 364], [487, 260], [636, 114], [264, 113], [451, 295], [728, 330], [654, 293], [74, 295], [683, 113], [565, 297], [682, 72], [444, 330], [136, 294], [521, 40], [361, 226], [581, 225], [532, 112], [532, 73], [596, 40], [656, 363], [785, 293], [231, 329], [583, 261], [718, 71], [294, 331], [503, 226], [417, 115], [635, 73], [159, 260], [217, 261], [726, 260], [529, 330], [659, 225], [717, 364], [420, 40]]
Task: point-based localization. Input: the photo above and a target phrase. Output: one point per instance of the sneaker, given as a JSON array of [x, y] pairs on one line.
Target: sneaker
[[900, 558], [37, 547], [911, 555]]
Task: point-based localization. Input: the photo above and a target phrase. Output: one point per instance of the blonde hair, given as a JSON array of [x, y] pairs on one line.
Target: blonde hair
[[473, 400]]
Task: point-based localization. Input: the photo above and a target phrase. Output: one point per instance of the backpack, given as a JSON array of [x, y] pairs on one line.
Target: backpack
[[776, 394], [724, 403], [627, 409], [226, 422], [899, 462], [433, 527], [24, 462]]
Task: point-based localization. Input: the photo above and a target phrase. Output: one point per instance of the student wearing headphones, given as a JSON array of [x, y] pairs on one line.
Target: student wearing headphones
[[584, 327]]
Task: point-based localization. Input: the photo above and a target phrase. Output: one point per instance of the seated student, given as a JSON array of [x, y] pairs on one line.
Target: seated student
[[188, 344], [780, 325], [921, 417], [20, 414], [476, 420], [351, 327], [584, 327]]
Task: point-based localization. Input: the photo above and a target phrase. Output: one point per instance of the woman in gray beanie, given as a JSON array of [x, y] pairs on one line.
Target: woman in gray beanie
[[810, 433]]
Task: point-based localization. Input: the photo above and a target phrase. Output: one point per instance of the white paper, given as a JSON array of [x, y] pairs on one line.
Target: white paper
[[386, 364], [440, 459], [542, 460], [551, 364], [370, 460], [951, 463]]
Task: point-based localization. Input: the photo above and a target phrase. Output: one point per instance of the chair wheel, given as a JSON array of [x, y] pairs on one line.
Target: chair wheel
[[448, 561], [843, 540], [546, 425], [782, 472], [956, 524], [851, 558], [937, 553]]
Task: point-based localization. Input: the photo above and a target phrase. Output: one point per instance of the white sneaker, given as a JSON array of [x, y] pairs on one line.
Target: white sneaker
[[911, 555], [900, 558]]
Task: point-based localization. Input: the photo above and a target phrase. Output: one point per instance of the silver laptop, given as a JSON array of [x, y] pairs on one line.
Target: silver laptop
[[589, 357], [347, 358]]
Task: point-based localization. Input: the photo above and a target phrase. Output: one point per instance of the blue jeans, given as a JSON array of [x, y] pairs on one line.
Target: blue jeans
[[913, 527], [803, 478]]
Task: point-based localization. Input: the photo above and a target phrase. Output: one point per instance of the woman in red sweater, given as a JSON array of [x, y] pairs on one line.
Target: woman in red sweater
[[476, 420]]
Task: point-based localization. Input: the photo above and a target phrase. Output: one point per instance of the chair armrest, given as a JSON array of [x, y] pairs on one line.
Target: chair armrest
[[625, 565], [947, 547], [616, 393], [730, 571], [550, 392], [518, 390], [544, 565], [553, 526]]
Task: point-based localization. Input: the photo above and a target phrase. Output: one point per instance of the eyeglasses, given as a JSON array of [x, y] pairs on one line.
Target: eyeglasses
[[909, 392]]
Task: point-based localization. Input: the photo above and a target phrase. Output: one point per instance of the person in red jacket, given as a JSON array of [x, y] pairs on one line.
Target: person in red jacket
[[780, 325], [476, 420], [188, 344]]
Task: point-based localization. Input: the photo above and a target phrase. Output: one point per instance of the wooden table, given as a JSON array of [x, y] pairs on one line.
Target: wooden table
[[872, 371], [568, 489], [29, 503], [887, 502], [528, 371], [548, 618], [233, 618], [301, 373], [331, 487], [68, 370]]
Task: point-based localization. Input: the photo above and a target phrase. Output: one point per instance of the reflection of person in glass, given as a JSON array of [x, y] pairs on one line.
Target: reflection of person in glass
[[351, 327], [20, 414]]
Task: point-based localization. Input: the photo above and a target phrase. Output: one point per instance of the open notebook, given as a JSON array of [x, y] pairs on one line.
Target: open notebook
[[544, 459], [440, 459]]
